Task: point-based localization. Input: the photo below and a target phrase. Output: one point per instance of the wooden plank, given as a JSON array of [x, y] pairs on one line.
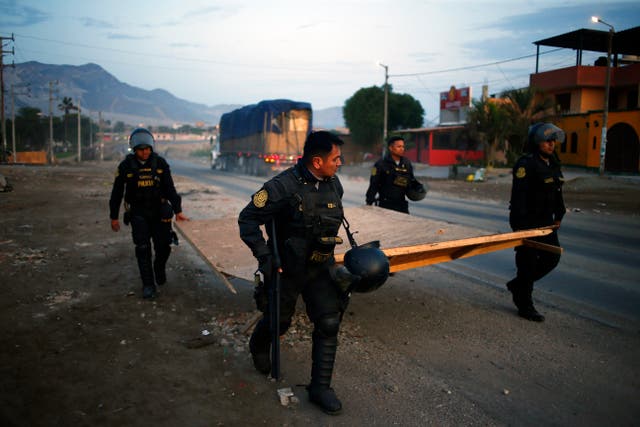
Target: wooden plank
[[408, 257], [218, 241], [190, 230], [544, 246]]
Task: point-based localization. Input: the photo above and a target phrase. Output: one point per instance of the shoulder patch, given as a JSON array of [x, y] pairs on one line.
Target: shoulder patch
[[521, 172], [260, 198], [374, 171]]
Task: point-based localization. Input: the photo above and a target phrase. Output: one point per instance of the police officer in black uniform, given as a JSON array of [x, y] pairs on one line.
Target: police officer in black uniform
[[391, 178], [305, 203], [150, 197], [536, 201]]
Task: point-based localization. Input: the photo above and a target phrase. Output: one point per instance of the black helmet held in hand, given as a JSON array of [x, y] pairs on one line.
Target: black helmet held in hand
[[370, 263], [141, 137], [416, 191]]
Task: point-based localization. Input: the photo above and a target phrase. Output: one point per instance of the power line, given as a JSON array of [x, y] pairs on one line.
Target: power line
[[311, 68], [471, 67]]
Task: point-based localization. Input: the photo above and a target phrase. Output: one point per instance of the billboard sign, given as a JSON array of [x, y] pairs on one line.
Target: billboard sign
[[455, 99]]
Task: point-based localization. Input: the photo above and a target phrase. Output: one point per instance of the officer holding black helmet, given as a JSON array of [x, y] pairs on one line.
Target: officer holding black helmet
[[150, 199], [304, 206], [536, 201], [392, 179]]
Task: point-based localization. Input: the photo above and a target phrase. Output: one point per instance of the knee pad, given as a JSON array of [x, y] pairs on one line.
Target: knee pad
[[328, 325]]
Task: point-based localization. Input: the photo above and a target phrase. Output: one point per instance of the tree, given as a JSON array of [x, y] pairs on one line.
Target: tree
[[31, 130], [524, 107], [66, 105], [404, 112], [119, 127], [364, 115], [487, 122]]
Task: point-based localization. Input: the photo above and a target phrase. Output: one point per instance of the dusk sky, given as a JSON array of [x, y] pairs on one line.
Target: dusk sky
[[240, 52]]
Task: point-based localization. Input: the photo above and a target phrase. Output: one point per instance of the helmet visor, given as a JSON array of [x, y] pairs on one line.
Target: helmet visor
[[550, 132], [139, 139]]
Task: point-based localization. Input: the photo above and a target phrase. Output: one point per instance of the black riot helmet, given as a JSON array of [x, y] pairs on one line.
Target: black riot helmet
[[541, 132], [416, 191], [141, 137], [368, 262]]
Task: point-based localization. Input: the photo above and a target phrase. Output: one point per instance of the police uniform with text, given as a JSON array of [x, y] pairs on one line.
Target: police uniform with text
[[536, 201], [150, 201], [308, 214], [390, 180]]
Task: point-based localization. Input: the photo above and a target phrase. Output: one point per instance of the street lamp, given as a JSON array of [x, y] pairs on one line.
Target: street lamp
[[386, 97], [605, 114]]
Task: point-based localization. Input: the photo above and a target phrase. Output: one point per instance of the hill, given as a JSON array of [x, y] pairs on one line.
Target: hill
[[99, 91]]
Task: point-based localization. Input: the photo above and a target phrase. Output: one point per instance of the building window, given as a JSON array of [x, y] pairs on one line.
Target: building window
[[574, 142], [563, 102], [632, 100], [442, 141], [593, 146]]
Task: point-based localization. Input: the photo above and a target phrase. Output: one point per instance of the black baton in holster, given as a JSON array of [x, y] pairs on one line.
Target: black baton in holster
[[274, 307]]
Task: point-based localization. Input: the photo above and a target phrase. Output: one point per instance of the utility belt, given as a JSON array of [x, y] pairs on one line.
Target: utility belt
[[301, 252], [401, 181], [323, 249], [162, 206]]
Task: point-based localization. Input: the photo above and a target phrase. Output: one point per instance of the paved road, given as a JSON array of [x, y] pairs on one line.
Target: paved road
[[597, 277]]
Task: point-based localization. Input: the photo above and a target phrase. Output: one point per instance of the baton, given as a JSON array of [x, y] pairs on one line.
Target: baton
[[274, 308]]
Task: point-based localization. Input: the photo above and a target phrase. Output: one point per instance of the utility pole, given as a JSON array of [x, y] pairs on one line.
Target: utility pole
[[386, 102], [79, 133], [3, 156], [50, 150], [13, 120], [101, 141], [607, 85], [90, 131]]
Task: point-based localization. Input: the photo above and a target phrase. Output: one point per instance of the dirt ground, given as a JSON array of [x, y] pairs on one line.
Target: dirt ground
[[81, 348]]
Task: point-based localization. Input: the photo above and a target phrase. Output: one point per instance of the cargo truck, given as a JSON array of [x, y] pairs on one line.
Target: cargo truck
[[261, 138]]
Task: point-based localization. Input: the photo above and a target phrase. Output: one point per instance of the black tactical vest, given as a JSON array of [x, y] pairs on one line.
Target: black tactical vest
[[312, 232], [143, 183]]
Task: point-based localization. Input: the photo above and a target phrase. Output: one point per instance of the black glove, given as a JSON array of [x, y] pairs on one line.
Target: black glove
[[268, 266]]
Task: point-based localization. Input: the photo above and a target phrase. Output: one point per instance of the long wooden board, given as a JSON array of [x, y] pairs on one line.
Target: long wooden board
[[408, 257], [218, 242]]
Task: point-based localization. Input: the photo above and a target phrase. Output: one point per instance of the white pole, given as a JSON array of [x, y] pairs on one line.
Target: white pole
[[13, 127], [79, 133]]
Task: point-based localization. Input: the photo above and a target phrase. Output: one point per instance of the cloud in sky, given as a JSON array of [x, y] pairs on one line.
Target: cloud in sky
[[14, 15], [242, 51], [95, 23]]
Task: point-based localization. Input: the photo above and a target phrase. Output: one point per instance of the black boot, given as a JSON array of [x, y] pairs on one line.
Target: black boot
[[523, 300], [260, 347], [529, 312], [161, 274], [162, 256], [143, 254], [323, 354]]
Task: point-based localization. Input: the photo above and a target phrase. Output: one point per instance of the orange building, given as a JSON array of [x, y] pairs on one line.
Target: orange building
[[578, 93]]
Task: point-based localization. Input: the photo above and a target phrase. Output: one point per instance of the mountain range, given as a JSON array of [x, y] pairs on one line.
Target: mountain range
[[98, 91]]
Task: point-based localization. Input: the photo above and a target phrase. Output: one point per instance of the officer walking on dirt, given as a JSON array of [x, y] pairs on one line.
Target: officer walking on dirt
[[304, 202], [392, 179], [536, 201], [150, 199]]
